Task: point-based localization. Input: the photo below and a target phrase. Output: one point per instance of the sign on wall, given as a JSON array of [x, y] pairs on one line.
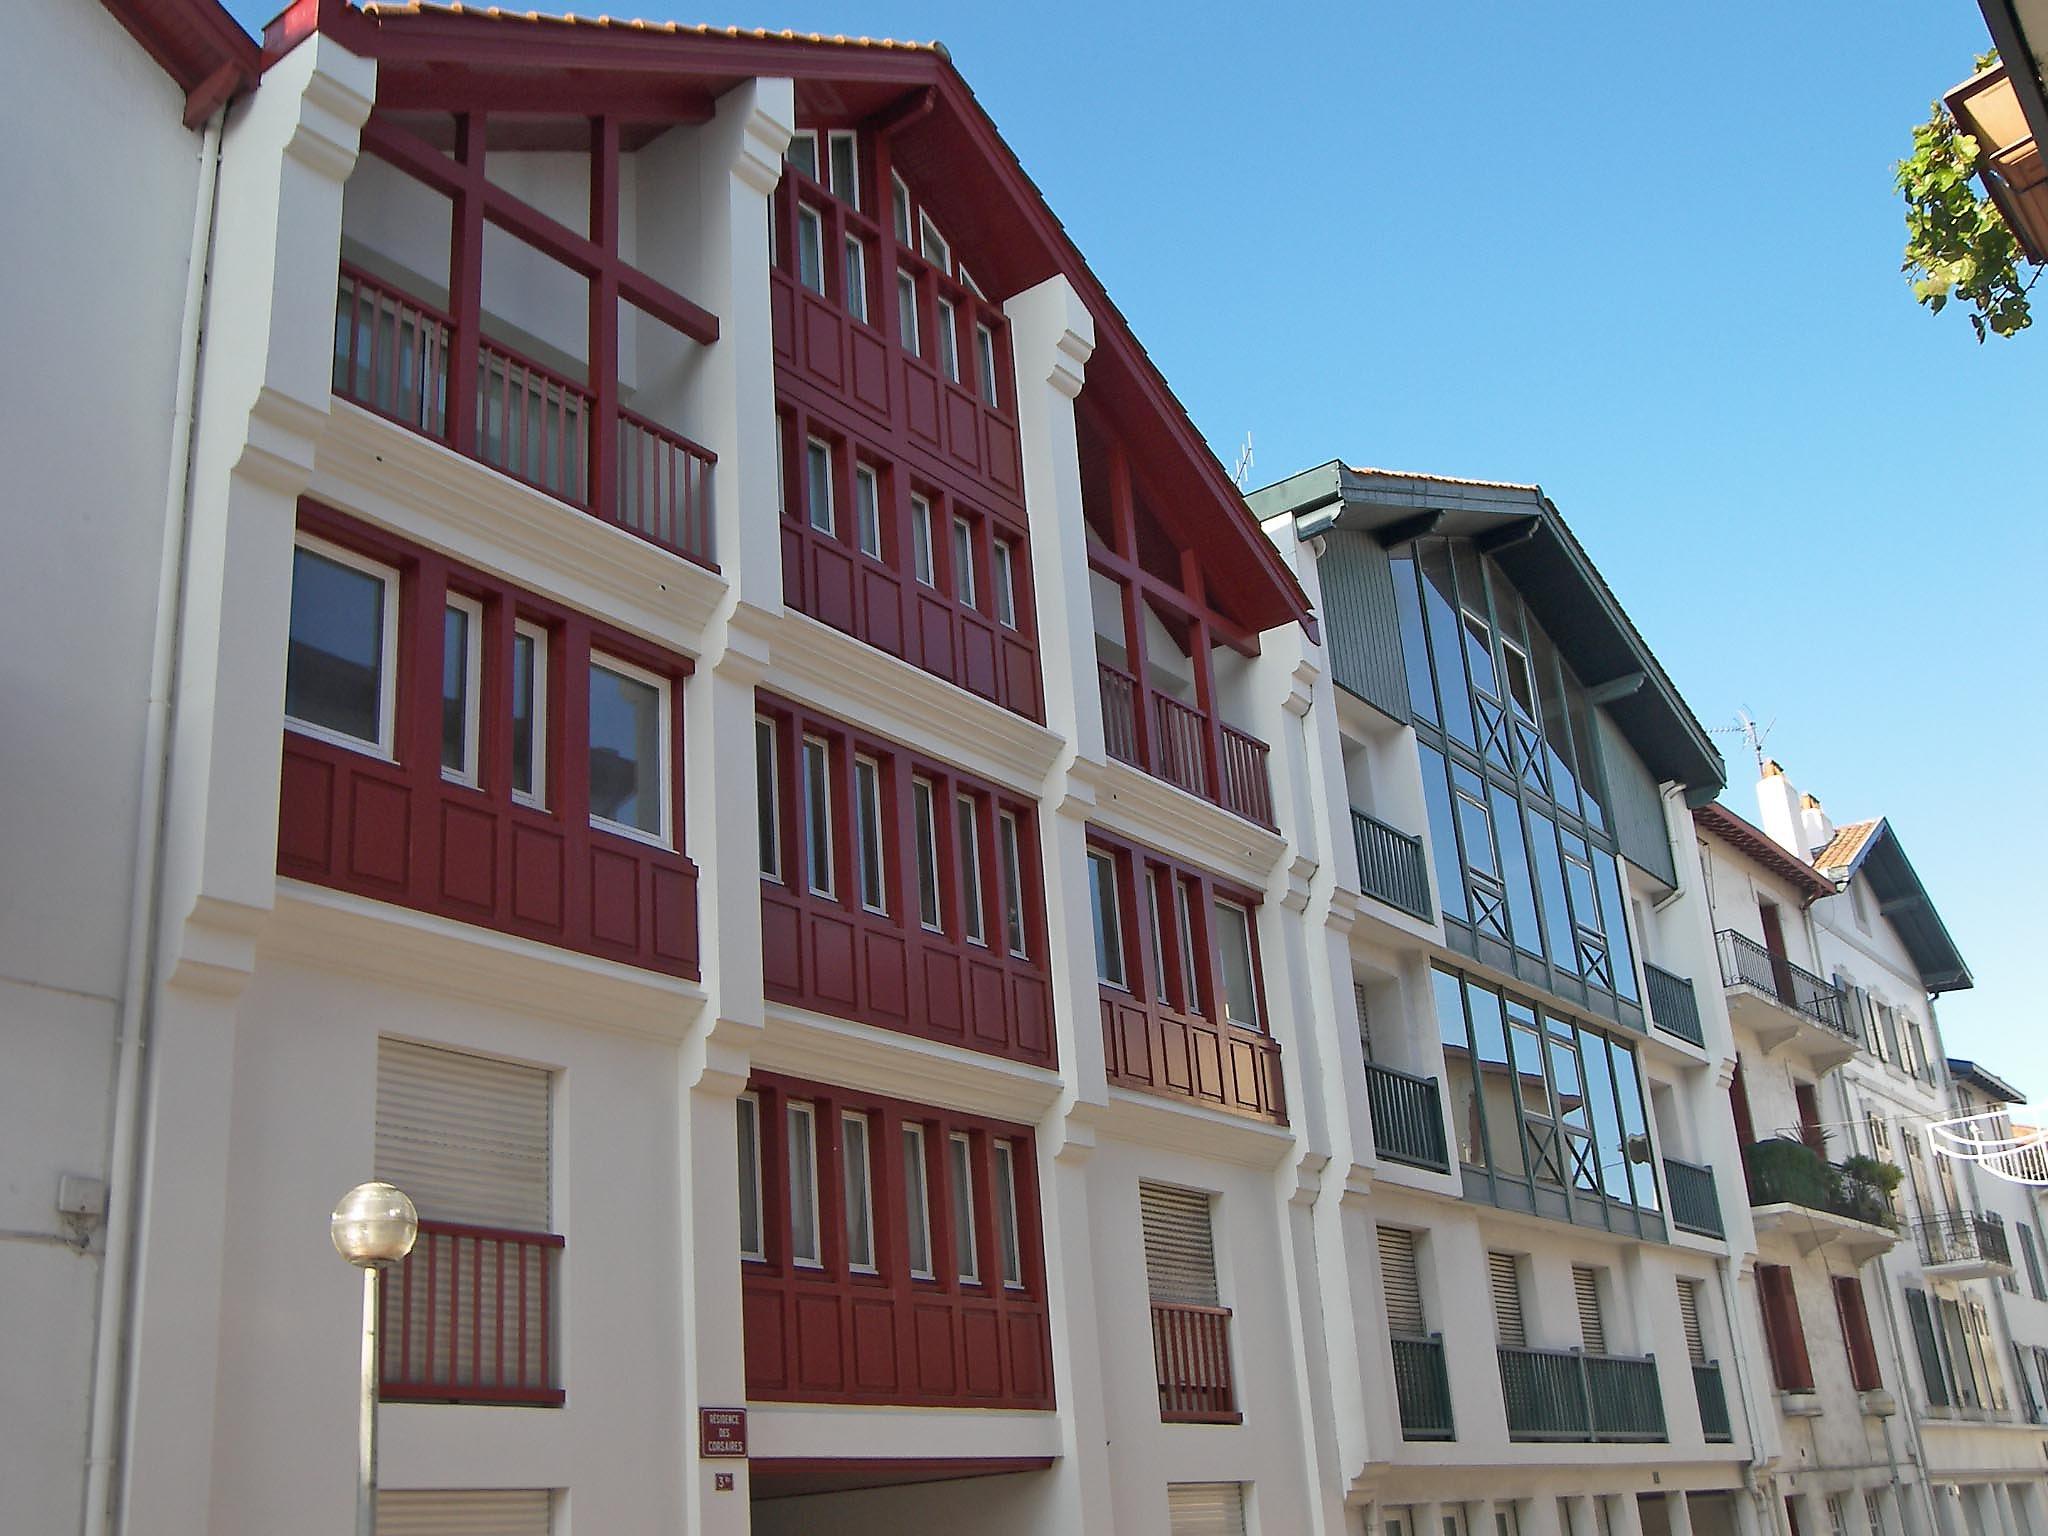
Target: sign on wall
[[722, 1431]]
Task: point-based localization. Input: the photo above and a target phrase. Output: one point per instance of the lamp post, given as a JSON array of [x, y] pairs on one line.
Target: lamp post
[[374, 1228]]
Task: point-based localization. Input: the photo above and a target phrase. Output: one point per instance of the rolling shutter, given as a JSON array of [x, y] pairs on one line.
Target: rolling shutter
[[1205, 1509], [1507, 1299], [1689, 1318], [1932, 1376], [1586, 1292], [1398, 1279], [1180, 1249], [463, 1512], [465, 1136]]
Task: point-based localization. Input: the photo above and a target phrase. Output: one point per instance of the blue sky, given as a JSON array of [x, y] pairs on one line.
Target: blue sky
[[1646, 257]]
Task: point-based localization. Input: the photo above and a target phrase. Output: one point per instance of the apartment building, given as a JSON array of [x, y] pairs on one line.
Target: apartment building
[[1527, 1240]]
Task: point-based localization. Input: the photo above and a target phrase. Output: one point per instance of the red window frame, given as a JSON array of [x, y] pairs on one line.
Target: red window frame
[[399, 831], [1790, 1366], [835, 955], [1165, 1045], [831, 1333]]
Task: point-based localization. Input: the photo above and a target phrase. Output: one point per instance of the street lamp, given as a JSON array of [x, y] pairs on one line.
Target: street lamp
[[373, 1228]]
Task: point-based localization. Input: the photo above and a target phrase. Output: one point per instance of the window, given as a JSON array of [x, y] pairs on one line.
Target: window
[[1856, 1339], [1504, 1273], [961, 1150], [1234, 944], [949, 340], [906, 313], [858, 1192], [1782, 1328], [1152, 879], [466, 1136], [867, 829], [462, 628], [899, 208], [1873, 1511], [341, 668], [1838, 1522], [966, 280], [932, 245], [856, 278], [917, 1202], [1521, 681], [926, 816], [1586, 1294], [1401, 1284], [1193, 981], [803, 151], [963, 561], [1004, 554], [921, 541], [985, 362], [1007, 845], [1205, 1509], [867, 510], [1178, 1226], [1006, 1216], [818, 485], [843, 147], [529, 713], [767, 798], [747, 1116], [810, 248], [803, 1186], [628, 749], [967, 823], [818, 814], [1109, 941]]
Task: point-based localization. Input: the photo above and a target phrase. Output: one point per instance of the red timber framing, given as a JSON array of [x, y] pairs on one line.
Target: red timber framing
[[883, 914], [885, 355], [400, 830], [837, 1330], [1143, 725], [198, 44], [1164, 1030]]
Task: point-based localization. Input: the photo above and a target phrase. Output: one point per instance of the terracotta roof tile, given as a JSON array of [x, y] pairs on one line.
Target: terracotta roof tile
[[629, 24], [1844, 847]]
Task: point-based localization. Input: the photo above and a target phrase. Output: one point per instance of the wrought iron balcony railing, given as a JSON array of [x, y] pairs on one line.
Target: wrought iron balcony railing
[[1746, 963], [1962, 1237]]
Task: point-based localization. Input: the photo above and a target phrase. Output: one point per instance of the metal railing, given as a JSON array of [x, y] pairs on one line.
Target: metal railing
[[1407, 1118], [1962, 1237], [1422, 1387], [1247, 786], [1191, 1352], [1746, 963], [1695, 1202], [1559, 1394], [1787, 1172], [469, 1317], [1392, 866], [1713, 1400], [1673, 1007]]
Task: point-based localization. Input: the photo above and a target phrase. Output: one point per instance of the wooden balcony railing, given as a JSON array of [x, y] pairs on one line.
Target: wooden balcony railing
[[1407, 1117], [1422, 1387], [1191, 1350], [1392, 866], [1695, 1202], [1175, 745], [469, 1318], [392, 356], [1558, 1394], [1673, 1007]]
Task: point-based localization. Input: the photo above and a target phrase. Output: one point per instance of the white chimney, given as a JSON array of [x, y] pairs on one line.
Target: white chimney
[[1777, 804], [1814, 821]]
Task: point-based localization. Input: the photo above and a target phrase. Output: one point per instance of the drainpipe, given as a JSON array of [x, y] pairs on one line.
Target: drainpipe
[[110, 1376]]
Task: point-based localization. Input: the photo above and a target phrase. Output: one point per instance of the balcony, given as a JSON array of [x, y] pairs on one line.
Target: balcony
[[2009, 160], [1782, 1004], [1392, 866], [469, 1318], [1407, 1118], [1707, 1387], [1963, 1245], [1695, 1202], [394, 355], [1185, 747], [1673, 1007], [1422, 1386], [1569, 1395], [1796, 1192], [1191, 1351]]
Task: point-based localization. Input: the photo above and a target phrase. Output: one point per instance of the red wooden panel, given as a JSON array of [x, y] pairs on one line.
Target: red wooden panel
[[977, 658], [881, 609], [981, 1350], [831, 587], [537, 870], [832, 959], [675, 916], [920, 405], [767, 1340], [469, 855], [932, 1326], [1003, 462], [305, 820], [888, 975], [821, 341], [934, 634], [1030, 1007], [614, 897], [963, 429], [1207, 1047], [870, 373], [990, 1021], [1027, 1345], [874, 1344], [942, 993], [380, 831], [820, 1366], [1019, 672], [782, 306], [782, 944]]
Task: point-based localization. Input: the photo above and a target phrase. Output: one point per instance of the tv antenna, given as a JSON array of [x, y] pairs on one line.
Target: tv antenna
[[1243, 471], [1747, 728]]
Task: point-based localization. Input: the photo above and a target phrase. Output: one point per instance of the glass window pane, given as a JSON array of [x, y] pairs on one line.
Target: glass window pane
[[1234, 947], [1461, 1084], [856, 278], [818, 484], [1195, 980], [625, 750], [967, 854], [747, 1114], [528, 661], [949, 340], [922, 811], [867, 510], [818, 814], [1507, 822], [803, 152], [803, 1186], [899, 207], [1474, 823], [1440, 607], [1414, 645], [858, 1193], [867, 814], [985, 359], [906, 313], [921, 540], [457, 739], [963, 561], [962, 1180], [1109, 942], [1013, 882], [334, 668], [767, 800], [1605, 1113], [1443, 836], [1490, 1048], [1608, 878], [1557, 739], [1158, 916], [1557, 914], [810, 248], [1006, 1214], [917, 1202], [1635, 1127], [1479, 652], [845, 168], [1004, 557], [1593, 796]]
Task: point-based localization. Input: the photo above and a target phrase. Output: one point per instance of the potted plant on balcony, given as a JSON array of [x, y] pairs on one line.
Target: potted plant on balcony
[[1866, 1186]]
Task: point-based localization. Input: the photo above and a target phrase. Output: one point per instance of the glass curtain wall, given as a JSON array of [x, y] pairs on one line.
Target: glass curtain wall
[[1548, 1112], [1518, 819]]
